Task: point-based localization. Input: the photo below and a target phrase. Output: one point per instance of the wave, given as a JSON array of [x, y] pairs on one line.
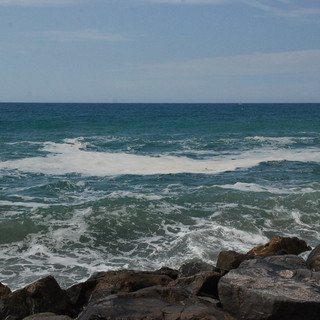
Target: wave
[[71, 156]]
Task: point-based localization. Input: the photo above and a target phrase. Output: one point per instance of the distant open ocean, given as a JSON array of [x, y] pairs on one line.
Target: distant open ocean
[[92, 187]]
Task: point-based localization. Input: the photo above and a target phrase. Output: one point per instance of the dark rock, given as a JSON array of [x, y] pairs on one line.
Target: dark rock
[[152, 303], [172, 273], [47, 316], [4, 290], [228, 260], [201, 284], [191, 268], [104, 284], [280, 246], [313, 260], [44, 295], [276, 287]]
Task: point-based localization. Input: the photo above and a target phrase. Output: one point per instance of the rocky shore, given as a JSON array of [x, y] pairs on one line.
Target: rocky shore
[[268, 282]]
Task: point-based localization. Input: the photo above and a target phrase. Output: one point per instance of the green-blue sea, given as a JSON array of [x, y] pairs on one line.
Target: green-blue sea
[[92, 187]]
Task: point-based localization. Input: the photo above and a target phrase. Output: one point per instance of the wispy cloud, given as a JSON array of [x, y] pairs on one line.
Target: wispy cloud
[[36, 3], [81, 35], [286, 8], [306, 62]]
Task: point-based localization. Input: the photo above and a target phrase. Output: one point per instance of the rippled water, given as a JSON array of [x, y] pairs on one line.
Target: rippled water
[[89, 187]]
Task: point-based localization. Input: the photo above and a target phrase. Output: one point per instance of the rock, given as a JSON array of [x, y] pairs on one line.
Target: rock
[[172, 273], [104, 284], [191, 268], [228, 260], [4, 290], [276, 287], [47, 316], [44, 295], [313, 260], [201, 284], [152, 303], [280, 246]]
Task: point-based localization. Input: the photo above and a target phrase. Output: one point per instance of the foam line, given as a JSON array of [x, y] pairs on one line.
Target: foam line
[[71, 157]]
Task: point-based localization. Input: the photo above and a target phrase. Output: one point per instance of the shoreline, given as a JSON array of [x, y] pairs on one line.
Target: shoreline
[[268, 282]]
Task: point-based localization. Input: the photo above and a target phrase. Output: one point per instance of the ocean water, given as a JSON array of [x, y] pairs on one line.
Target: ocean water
[[92, 187]]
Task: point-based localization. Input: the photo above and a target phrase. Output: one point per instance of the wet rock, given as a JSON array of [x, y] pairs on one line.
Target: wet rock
[[4, 290], [104, 284], [47, 316], [313, 260], [228, 260], [44, 295], [191, 268], [280, 246], [276, 287]]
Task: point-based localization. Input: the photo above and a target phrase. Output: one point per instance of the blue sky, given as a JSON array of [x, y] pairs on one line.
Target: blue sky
[[160, 50]]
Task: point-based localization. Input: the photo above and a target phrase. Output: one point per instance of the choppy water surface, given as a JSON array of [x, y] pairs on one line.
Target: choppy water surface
[[87, 187]]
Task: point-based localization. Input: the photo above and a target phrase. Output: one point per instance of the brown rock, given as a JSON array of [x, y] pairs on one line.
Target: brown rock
[[104, 284], [191, 268], [228, 260], [313, 260], [44, 295], [280, 246]]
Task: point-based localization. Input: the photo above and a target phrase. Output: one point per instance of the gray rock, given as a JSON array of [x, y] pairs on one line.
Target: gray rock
[[276, 287], [191, 268], [152, 303], [313, 260], [228, 260]]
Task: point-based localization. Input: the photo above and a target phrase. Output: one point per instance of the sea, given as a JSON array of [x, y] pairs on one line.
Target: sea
[[97, 187]]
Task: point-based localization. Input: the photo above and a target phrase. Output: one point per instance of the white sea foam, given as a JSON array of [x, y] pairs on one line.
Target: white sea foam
[[72, 157]]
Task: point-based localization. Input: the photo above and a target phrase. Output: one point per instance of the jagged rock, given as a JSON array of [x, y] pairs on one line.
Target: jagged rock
[[313, 260], [4, 290], [202, 284], [228, 260], [104, 284], [172, 273], [44, 295], [47, 316], [152, 303], [191, 268], [276, 287], [280, 246]]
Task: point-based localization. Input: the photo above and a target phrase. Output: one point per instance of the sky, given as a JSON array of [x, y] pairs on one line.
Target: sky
[[196, 51]]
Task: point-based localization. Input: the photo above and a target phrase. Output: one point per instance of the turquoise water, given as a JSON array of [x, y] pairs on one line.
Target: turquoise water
[[90, 187]]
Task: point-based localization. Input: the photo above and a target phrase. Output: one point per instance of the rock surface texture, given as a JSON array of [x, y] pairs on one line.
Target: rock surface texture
[[277, 287], [251, 286]]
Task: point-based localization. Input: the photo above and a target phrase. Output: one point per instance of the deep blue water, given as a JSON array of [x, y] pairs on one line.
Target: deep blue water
[[89, 187]]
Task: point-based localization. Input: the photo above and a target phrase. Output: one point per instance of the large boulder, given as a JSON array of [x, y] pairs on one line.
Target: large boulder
[[313, 260], [276, 287], [280, 246], [104, 284], [152, 303], [228, 260], [44, 295]]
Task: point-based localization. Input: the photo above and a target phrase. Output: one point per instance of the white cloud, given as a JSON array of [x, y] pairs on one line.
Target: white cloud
[[306, 62], [288, 8], [86, 34]]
